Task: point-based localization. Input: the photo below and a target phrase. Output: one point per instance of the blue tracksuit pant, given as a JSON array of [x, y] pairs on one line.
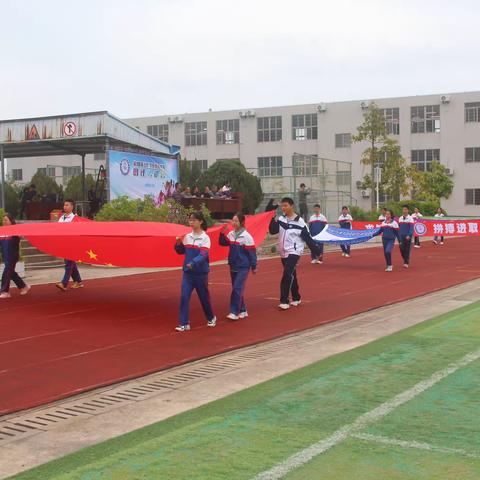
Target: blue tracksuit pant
[[199, 283], [320, 249], [237, 301], [9, 273], [71, 270], [388, 244]]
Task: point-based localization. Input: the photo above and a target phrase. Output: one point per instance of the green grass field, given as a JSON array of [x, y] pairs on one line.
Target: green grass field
[[432, 433]]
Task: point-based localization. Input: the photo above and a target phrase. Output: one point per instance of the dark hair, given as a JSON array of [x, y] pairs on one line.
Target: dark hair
[[241, 218], [406, 206], [197, 215], [344, 207], [390, 211], [317, 205], [69, 200], [287, 200], [10, 217], [302, 185]]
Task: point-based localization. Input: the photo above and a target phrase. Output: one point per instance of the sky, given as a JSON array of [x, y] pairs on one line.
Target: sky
[[153, 57]]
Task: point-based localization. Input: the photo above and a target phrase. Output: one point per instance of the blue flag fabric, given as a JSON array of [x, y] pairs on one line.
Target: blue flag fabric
[[343, 236]]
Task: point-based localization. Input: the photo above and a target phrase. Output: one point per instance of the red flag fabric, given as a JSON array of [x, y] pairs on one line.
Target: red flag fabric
[[123, 244]]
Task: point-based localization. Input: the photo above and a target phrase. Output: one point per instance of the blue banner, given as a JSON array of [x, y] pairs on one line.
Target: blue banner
[[134, 175], [343, 236]]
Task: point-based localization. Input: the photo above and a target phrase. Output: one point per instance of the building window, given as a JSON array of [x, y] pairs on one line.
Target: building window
[[425, 119], [99, 157], [305, 165], [472, 196], [472, 154], [270, 166], [472, 112], [228, 132], [159, 131], [17, 174], [69, 172], [344, 178], [49, 171], [423, 159], [195, 133], [269, 129], [201, 164], [304, 127], [343, 140], [392, 120]]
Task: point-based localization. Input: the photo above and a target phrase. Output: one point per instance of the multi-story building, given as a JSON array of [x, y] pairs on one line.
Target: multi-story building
[[285, 145]]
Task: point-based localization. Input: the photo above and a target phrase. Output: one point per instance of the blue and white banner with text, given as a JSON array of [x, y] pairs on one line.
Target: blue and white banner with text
[[343, 236]]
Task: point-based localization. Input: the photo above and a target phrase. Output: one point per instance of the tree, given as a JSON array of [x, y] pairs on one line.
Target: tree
[[44, 184], [233, 172], [74, 186], [373, 131], [12, 198], [394, 171], [434, 184]]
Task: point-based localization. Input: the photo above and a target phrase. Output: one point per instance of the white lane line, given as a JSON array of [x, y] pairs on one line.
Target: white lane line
[[413, 444], [337, 437]]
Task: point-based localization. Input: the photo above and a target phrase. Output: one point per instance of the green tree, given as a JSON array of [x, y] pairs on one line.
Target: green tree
[[395, 175], [234, 173], [73, 189], [12, 198], [44, 184], [434, 184], [184, 172]]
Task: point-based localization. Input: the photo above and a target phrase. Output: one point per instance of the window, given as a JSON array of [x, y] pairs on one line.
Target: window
[[304, 127], [270, 166], [99, 157], [472, 196], [159, 131], [69, 172], [269, 129], [344, 178], [17, 174], [392, 120], [472, 154], [195, 133], [425, 119], [472, 112], [228, 132], [49, 171], [305, 165], [201, 164], [423, 159], [343, 140]]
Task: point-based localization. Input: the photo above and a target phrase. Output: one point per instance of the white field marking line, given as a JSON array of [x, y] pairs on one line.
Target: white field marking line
[[343, 433], [413, 444]]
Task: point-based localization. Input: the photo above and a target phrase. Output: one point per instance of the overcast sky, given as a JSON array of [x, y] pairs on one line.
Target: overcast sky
[[150, 57]]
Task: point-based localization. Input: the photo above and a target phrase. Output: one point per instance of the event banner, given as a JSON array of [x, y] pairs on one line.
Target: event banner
[[431, 227], [134, 175]]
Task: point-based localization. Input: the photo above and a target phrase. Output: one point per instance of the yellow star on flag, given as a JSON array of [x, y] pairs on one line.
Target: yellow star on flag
[[92, 255]]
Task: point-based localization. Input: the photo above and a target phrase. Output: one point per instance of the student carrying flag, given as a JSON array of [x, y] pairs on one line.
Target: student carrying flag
[[345, 221], [390, 230], [406, 224], [317, 223]]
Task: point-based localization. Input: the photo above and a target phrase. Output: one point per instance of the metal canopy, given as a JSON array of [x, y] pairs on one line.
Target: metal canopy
[[76, 134]]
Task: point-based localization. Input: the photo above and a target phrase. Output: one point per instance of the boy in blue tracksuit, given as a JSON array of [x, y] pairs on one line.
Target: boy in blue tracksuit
[[345, 221], [195, 247], [406, 224], [390, 230], [316, 224], [10, 247], [242, 258]]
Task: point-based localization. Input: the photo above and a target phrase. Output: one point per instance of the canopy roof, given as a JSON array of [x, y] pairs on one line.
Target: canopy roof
[[77, 134]]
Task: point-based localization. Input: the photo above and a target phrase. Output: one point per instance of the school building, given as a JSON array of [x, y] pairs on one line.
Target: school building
[[312, 143]]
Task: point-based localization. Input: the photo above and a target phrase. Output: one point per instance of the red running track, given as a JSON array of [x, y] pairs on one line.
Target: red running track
[[55, 344]]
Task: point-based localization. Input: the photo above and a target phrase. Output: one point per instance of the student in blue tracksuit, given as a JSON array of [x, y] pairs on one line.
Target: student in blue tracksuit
[[242, 258], [406, 224], [10, 247], [345, 221], [195, 246], [316, 224], [389, 228]]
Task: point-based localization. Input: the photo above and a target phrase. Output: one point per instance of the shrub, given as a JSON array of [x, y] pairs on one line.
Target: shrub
[[44, 184], [361, 215], [427, 208], [74, 187], [12, 199]]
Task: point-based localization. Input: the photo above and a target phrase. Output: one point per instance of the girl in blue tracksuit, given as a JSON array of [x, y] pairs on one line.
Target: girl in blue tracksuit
[[10, 247], [316, 224], [242, 258], [345, 221], [195, 246], [390, 230]]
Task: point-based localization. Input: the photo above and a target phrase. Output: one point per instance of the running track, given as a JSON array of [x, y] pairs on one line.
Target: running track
[[55, 344]]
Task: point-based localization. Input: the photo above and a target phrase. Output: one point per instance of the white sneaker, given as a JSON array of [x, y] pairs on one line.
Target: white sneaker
[[295, 303], [343, 254], [314, 261], [5, 295], [232, 316], [182, 328], [405, 265], [212, 322], [435, 242], [389, 269], [25, 289], [284, 306], [441, 243], [243, 315], [320, 261], [416, 246], [347, 255]]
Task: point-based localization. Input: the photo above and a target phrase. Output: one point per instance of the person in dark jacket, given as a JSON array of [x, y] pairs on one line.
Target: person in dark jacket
[[390, 230], [10, 247], [242, 258]]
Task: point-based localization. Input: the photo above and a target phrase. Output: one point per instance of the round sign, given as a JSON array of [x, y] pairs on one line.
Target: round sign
[[70, 129], [124, 166], [420, 228]]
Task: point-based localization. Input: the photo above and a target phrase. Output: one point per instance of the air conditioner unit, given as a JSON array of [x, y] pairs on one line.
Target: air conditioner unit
[[176, 119], [364, 105], [365, 194], [445, 99], [242, 114], [449, 172], [322, 108], [359, 184], [251, 113]]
